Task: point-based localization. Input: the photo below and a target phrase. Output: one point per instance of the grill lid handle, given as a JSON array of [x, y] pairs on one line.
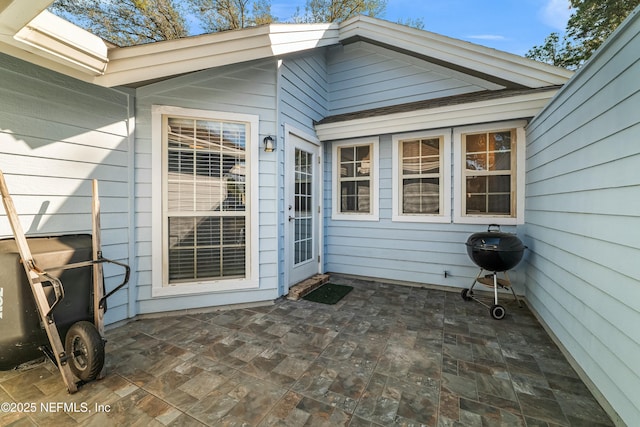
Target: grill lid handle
[[493, 225]]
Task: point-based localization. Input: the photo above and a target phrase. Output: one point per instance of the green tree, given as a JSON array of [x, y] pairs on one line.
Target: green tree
[[222, 15], [126, 22], [588, 27], [339, 10]]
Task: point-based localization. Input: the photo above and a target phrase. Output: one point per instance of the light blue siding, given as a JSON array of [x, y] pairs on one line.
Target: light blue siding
[[56, 135], [303, 99], [242, 88], [364, 76], [583, 219]]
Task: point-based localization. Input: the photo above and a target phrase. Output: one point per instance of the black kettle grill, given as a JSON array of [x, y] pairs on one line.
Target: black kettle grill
[[494, 251]]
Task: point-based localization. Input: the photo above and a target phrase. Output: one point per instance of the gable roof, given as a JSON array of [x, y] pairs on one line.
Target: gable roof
[[51, 42]]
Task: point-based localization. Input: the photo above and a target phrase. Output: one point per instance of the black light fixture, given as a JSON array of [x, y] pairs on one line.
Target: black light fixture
[[269, 144]]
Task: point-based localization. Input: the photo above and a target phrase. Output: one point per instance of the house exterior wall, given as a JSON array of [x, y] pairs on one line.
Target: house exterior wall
[[243, 89], [418, 252], [56, 135], [583, 219], [364, 76]]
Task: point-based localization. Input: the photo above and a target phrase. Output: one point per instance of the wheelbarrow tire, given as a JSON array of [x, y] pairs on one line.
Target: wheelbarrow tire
[[85, 350]]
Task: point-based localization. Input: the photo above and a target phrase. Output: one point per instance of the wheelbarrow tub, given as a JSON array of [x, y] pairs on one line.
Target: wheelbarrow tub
[[21, 334]]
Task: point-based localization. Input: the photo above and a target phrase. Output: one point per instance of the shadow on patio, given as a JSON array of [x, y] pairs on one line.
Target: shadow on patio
[[384, 355]]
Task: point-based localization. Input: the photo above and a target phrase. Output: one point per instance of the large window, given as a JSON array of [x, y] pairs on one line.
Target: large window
[[489, 173], [355, 180], [206, 198], [421, 177]]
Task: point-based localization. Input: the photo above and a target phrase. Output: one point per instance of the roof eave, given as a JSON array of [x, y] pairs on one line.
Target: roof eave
[[520, 106], [509, 70], [131, 65]]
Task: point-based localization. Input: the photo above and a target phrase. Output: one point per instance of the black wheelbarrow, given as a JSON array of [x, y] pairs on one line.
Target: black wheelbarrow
[[58, 306]]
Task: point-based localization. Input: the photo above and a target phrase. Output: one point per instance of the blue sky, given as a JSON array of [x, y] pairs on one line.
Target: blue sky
[[511, 25]]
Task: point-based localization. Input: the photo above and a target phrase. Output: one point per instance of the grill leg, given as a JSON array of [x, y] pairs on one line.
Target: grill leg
[[495, 287], [512, 291], [477, 277]]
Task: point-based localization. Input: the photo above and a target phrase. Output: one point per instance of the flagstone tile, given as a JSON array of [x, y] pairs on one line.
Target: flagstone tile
[[384, 355]]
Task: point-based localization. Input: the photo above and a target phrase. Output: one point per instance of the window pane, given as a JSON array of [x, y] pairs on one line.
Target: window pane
[[362, 153], [410, 149], [347, 154], [499, 204], [500, 161], [430, 147], [500, 141], [476, 143], [411, 166], [477, 162], [421, 196], [364, 196], [499, 184]]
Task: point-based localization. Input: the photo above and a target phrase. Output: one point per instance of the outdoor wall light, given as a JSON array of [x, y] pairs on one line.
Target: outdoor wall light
[[269, 144]]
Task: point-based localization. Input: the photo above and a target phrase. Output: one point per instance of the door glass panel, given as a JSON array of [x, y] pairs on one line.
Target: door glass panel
[[303, 198]]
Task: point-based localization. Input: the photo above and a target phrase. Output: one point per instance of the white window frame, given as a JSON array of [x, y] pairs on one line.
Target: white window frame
[[517, 217], [336, 214], [445, 177], [159, 238]]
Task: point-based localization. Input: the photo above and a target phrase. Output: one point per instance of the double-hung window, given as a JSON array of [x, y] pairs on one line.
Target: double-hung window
[[421, 177], [355, 180], [489, 174], [206, 198]]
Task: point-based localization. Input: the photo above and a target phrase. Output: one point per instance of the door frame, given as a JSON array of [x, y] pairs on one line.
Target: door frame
[[288, 164]]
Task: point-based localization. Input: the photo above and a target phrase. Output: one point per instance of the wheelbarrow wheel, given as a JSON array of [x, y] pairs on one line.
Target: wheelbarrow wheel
[[85, 349]]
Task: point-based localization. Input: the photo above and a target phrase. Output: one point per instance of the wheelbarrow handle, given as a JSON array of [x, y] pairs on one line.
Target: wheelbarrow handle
[[58, 289], [127, 273]]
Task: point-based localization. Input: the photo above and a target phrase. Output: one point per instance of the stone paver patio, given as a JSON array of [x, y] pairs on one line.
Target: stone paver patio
[[384, 355]]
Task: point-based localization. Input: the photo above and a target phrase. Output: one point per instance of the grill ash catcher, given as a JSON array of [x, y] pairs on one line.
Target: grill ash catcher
[[494, 252]]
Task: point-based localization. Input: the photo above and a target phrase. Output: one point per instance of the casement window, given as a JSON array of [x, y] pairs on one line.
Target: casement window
[[355, 180], [489, 173], [207, 211], [421, 177]]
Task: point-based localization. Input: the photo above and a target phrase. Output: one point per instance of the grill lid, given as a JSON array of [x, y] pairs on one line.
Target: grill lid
[[495, 240]]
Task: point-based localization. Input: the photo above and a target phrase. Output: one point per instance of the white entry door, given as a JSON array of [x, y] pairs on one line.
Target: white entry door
[[302, 208]]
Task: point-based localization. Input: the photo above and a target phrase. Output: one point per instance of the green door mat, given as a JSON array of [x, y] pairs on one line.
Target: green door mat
[[328, 293]]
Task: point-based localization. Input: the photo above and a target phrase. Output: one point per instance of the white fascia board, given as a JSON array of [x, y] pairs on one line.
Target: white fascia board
[[506, 66], [163, 59], [516, 107], [15, 14], [61, 41]]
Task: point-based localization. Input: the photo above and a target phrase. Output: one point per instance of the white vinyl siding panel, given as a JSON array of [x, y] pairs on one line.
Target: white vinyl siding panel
[[583, 219], [56, 135], [363, 76], [245, 89]]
